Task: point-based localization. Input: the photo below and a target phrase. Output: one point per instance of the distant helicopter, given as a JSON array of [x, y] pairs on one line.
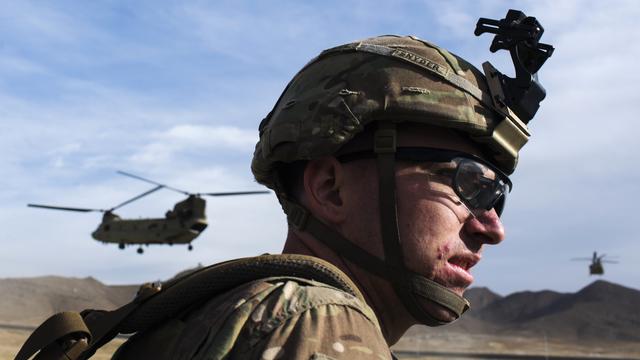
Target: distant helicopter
[[180, 225], [596, 268]]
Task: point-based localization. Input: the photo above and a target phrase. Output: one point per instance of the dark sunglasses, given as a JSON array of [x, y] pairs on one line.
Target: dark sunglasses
[[478, 183]]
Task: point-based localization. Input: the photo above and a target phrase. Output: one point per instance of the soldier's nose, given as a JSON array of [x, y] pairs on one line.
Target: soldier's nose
[[486, 227]]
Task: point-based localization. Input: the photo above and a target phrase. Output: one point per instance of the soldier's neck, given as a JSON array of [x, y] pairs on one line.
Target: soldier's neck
[[378, 293]]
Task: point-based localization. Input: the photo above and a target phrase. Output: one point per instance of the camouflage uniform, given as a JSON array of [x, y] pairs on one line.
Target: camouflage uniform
[[272, 318]]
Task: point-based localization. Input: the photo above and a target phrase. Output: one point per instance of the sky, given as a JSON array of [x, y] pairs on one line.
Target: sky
[[174, 91]]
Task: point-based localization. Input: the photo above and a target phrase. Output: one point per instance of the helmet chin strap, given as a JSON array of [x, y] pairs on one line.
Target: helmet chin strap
[[410, 287]]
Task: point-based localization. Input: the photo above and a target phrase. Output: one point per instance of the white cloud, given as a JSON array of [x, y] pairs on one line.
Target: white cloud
[[211, 136], [41, 23], [455, 18], [165, 146], [12, 64], [225, 30]]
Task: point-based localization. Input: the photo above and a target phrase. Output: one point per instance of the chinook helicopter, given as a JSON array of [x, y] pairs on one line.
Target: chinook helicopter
[[180, 225], [596, 267]]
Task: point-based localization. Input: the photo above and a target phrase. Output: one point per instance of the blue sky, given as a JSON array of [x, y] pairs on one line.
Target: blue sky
[[174, 91]]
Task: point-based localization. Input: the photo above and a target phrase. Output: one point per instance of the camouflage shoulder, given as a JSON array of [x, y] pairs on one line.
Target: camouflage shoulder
[[269, 318]]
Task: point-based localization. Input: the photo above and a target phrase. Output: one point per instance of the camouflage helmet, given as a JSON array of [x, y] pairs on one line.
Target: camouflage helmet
[[404, 79]]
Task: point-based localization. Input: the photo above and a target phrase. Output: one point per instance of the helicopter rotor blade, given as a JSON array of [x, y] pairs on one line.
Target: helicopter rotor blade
[[601, 256], [137, 197], [235, 193], [152, 182], [581, 259], [610, 262], [51, 207]]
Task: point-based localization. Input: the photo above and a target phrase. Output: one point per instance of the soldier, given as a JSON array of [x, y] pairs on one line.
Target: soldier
[[390, 160], [389, 157]]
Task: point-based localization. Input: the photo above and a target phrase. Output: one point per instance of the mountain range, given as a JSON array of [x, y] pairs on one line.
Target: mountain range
[[600, 311]]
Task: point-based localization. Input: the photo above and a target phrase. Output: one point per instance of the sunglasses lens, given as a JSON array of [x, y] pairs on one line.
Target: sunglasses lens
[[477, 185], [468, 179]]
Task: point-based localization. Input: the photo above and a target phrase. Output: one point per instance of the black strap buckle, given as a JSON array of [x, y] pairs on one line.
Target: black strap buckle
[[385, 141]]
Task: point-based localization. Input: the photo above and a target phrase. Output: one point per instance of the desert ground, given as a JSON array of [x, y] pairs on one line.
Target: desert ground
[[601, 321], [429, 346], [451, 345]]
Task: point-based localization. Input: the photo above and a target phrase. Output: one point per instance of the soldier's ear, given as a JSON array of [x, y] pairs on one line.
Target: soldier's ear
[[323, 184]]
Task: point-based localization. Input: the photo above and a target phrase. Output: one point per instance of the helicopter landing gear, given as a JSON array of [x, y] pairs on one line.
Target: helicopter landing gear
[[190, 247], [140, 250], [121, 246]]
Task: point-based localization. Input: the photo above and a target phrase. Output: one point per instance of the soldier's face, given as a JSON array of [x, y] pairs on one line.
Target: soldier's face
[[440, 238]]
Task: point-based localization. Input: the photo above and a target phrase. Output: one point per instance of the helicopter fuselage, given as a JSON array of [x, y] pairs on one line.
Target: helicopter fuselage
[[596, 268], [180, 226]]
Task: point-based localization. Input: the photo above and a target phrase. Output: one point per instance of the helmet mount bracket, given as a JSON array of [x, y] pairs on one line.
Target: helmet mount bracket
[[520, 35]]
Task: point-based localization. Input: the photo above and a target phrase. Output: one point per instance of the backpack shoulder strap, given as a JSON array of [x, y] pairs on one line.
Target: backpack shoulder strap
[[77, 336], [61, 327]]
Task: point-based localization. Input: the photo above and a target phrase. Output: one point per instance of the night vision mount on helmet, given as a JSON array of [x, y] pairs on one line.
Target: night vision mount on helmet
[[520, 34]]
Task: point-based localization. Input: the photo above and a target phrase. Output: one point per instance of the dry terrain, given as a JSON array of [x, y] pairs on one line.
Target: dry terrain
[[600, 321], [415, 346], [12, 339], [426, 346]]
